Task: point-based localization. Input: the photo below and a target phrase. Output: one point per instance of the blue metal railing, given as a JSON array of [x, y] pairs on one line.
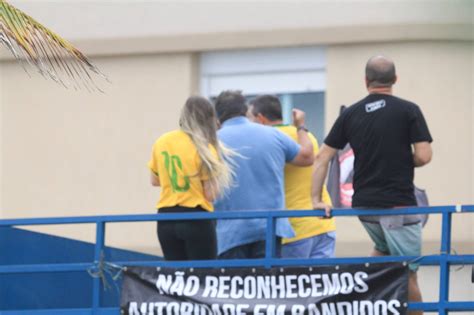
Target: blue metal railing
[[444, 259]]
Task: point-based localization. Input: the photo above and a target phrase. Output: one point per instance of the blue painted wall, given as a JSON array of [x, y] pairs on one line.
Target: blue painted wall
[[53, 290]]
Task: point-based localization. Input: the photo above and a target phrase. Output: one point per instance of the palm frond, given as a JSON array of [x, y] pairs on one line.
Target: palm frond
[[51, 55]]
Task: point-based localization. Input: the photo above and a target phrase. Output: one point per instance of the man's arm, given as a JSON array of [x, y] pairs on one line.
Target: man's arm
[[154, 179], [423, 153], [321, 163], [305, 155]]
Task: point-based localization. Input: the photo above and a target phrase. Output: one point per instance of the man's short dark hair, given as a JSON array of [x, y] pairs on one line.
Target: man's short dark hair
[[267, 105], [230, 104], [380, 72]]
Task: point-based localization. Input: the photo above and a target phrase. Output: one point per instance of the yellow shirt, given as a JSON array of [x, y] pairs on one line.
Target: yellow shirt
[[298, 184], [177, 163]]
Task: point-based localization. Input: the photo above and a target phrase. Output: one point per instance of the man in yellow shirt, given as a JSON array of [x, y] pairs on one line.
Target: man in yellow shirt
[[315, 237]]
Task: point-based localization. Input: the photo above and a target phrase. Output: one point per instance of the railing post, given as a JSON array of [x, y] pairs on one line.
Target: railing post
[[97, 281], [270, 240], [444, 264]]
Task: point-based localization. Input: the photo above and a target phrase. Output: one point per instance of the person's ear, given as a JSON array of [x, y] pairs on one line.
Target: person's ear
[[366, 83], [261, 119], [395, 80]]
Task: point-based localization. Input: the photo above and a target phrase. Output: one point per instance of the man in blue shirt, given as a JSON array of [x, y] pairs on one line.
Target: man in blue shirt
[[262, 154]]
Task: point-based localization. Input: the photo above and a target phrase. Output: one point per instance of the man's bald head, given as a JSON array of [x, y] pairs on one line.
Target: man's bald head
[[380, 72]]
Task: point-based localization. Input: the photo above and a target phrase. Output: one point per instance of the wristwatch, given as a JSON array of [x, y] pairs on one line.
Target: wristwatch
[[301, 128]]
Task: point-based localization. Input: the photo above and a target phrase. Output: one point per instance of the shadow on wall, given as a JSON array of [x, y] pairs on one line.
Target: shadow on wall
[[22, 291]]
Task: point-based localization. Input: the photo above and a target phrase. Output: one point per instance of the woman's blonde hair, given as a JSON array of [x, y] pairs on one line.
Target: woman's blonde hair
[[198, 120]]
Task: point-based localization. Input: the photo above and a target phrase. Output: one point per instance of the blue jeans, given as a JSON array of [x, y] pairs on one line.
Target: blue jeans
[[318, 246], [250, 250]]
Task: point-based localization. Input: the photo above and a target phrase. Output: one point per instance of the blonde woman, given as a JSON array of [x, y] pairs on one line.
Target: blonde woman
[[189, 165]]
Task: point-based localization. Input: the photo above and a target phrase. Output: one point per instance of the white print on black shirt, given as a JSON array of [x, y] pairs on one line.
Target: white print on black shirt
[[372, 107]]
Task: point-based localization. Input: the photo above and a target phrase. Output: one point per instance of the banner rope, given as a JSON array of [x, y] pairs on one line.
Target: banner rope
[[101, 269]]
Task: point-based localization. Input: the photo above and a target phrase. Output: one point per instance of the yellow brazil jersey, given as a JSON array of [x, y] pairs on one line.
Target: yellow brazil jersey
[[298, 184], [176, 162]]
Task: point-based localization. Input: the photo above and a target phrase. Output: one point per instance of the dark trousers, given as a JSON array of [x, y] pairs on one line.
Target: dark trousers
[[187, 239], [250, 251]]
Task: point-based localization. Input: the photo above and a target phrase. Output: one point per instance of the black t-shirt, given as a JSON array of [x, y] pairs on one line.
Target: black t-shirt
[[381, 129]]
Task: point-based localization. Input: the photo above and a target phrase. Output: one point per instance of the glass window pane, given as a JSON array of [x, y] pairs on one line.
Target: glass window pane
[[312, 103]]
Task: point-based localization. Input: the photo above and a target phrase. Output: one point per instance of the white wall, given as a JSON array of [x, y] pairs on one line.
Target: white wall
[[69, 153], [438, 77], [125, 26], [138, 18]]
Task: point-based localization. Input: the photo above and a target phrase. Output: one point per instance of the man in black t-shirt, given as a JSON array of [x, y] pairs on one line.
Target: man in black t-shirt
[[390, 138]]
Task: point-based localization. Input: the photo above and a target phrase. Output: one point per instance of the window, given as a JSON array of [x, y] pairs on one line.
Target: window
[[296, 75]]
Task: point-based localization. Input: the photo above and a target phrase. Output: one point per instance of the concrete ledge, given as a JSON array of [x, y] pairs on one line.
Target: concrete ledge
[[271, 38]]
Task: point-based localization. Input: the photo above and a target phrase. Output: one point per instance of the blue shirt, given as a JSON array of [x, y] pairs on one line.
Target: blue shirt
[[258, 182]]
